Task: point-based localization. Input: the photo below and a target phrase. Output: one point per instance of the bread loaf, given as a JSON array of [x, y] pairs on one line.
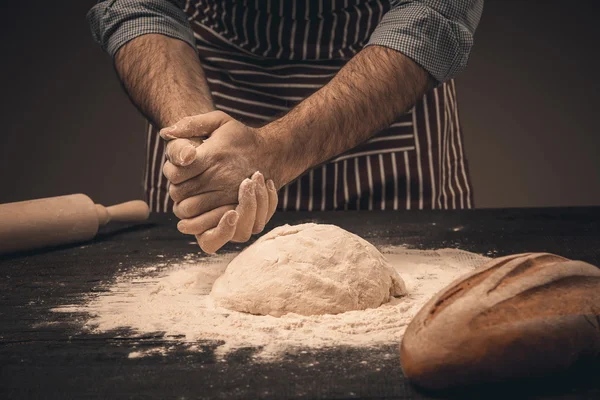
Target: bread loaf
[[515, 317]]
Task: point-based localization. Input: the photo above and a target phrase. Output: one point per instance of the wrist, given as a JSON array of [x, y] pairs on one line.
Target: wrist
[[172, 115], [284, 160]]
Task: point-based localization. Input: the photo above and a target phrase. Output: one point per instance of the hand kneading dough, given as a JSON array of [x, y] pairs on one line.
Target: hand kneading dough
[[307, 269]]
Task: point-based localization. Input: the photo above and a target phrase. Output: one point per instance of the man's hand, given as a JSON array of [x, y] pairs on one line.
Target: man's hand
[[257, 198], [257, 204], [231, 153]]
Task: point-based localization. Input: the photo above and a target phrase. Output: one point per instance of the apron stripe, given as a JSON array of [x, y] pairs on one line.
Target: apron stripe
[[449, 131], [266, 66], [455, 160], [153, 170], [359, 23], [370, 180], [286, 195], [251, 102], [374, 152], [239, 114], [335, 186], [345, 186], [429, 151], [442, 193], [234, 26], [280, 35], [306, 32], [345, 32], [332, 35], [253, 91], [147, 178], [224, 14], [160, 179], [418, 158], [320, 32], [453, 154], [389, 138], [265, 77], [166, 198], [444, 130], [393, 156], [462, 158], [383, 182], [293, 31], [369, 23], [257, 39], [311, 193], [245, 25], [323, 186], [206, 9], [358, 189], [301, 185], [407, 180], [292, 195], [268, 37]]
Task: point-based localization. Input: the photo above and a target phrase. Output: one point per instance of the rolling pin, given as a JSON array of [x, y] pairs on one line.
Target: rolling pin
[[32, 224]]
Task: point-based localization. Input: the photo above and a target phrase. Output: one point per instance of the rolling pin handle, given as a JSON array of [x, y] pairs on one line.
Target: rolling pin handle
[[103, 215], [131, 211]]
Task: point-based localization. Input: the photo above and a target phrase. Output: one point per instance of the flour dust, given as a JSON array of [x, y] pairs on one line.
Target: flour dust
[[171, 300]]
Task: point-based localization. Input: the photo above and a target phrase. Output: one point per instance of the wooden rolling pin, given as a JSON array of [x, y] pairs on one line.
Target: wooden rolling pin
[[33, 224]]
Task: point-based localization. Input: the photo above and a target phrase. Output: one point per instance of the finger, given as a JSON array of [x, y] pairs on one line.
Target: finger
[[200, 224], [197, 205], [213, 239], [176, 174], [195, 125], [246, 210], [262, 203], [273, 199], [181, 152], [196, 186]]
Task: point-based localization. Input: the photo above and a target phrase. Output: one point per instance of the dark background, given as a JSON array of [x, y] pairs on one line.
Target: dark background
[[529, 104]]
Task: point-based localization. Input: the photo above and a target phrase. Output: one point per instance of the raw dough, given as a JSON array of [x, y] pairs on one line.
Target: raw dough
[[307, 269]]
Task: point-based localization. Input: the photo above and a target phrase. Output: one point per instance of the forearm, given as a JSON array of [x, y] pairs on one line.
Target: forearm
[[163, 78], [367, 95]]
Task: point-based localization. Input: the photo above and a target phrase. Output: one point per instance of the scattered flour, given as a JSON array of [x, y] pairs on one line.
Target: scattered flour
[[172, 300]]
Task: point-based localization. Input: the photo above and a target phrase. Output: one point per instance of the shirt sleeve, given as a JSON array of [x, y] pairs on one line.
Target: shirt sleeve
[[436, 34], [116, 22]]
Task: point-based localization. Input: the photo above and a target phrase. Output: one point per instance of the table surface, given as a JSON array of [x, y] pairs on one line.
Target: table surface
[[45, 355]]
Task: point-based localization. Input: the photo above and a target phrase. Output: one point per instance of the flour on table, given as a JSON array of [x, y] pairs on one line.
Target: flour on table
[[307, 269], [173, 301]]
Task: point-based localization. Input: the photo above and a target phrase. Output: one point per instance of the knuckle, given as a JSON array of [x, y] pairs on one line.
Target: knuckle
[[175, 193], [168, 170], [187, 208], [258, 229], [177, 211], [184, 209], [173, 173]]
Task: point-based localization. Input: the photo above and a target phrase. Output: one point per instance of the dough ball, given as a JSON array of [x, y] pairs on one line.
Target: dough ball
[[307, 269]]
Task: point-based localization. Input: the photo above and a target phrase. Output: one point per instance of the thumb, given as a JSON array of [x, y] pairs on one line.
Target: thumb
[[201, 125], [181, 152]]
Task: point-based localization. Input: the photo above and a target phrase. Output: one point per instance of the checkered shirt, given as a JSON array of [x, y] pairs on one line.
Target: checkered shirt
[[437, 34]]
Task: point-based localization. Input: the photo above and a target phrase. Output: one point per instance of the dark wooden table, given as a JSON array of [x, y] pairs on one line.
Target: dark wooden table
[[44, 354]]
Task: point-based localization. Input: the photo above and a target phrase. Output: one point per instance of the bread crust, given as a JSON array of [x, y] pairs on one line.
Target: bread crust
[[517, 316]]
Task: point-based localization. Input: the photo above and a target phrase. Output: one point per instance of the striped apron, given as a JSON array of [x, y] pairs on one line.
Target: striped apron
[[263, 57]]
